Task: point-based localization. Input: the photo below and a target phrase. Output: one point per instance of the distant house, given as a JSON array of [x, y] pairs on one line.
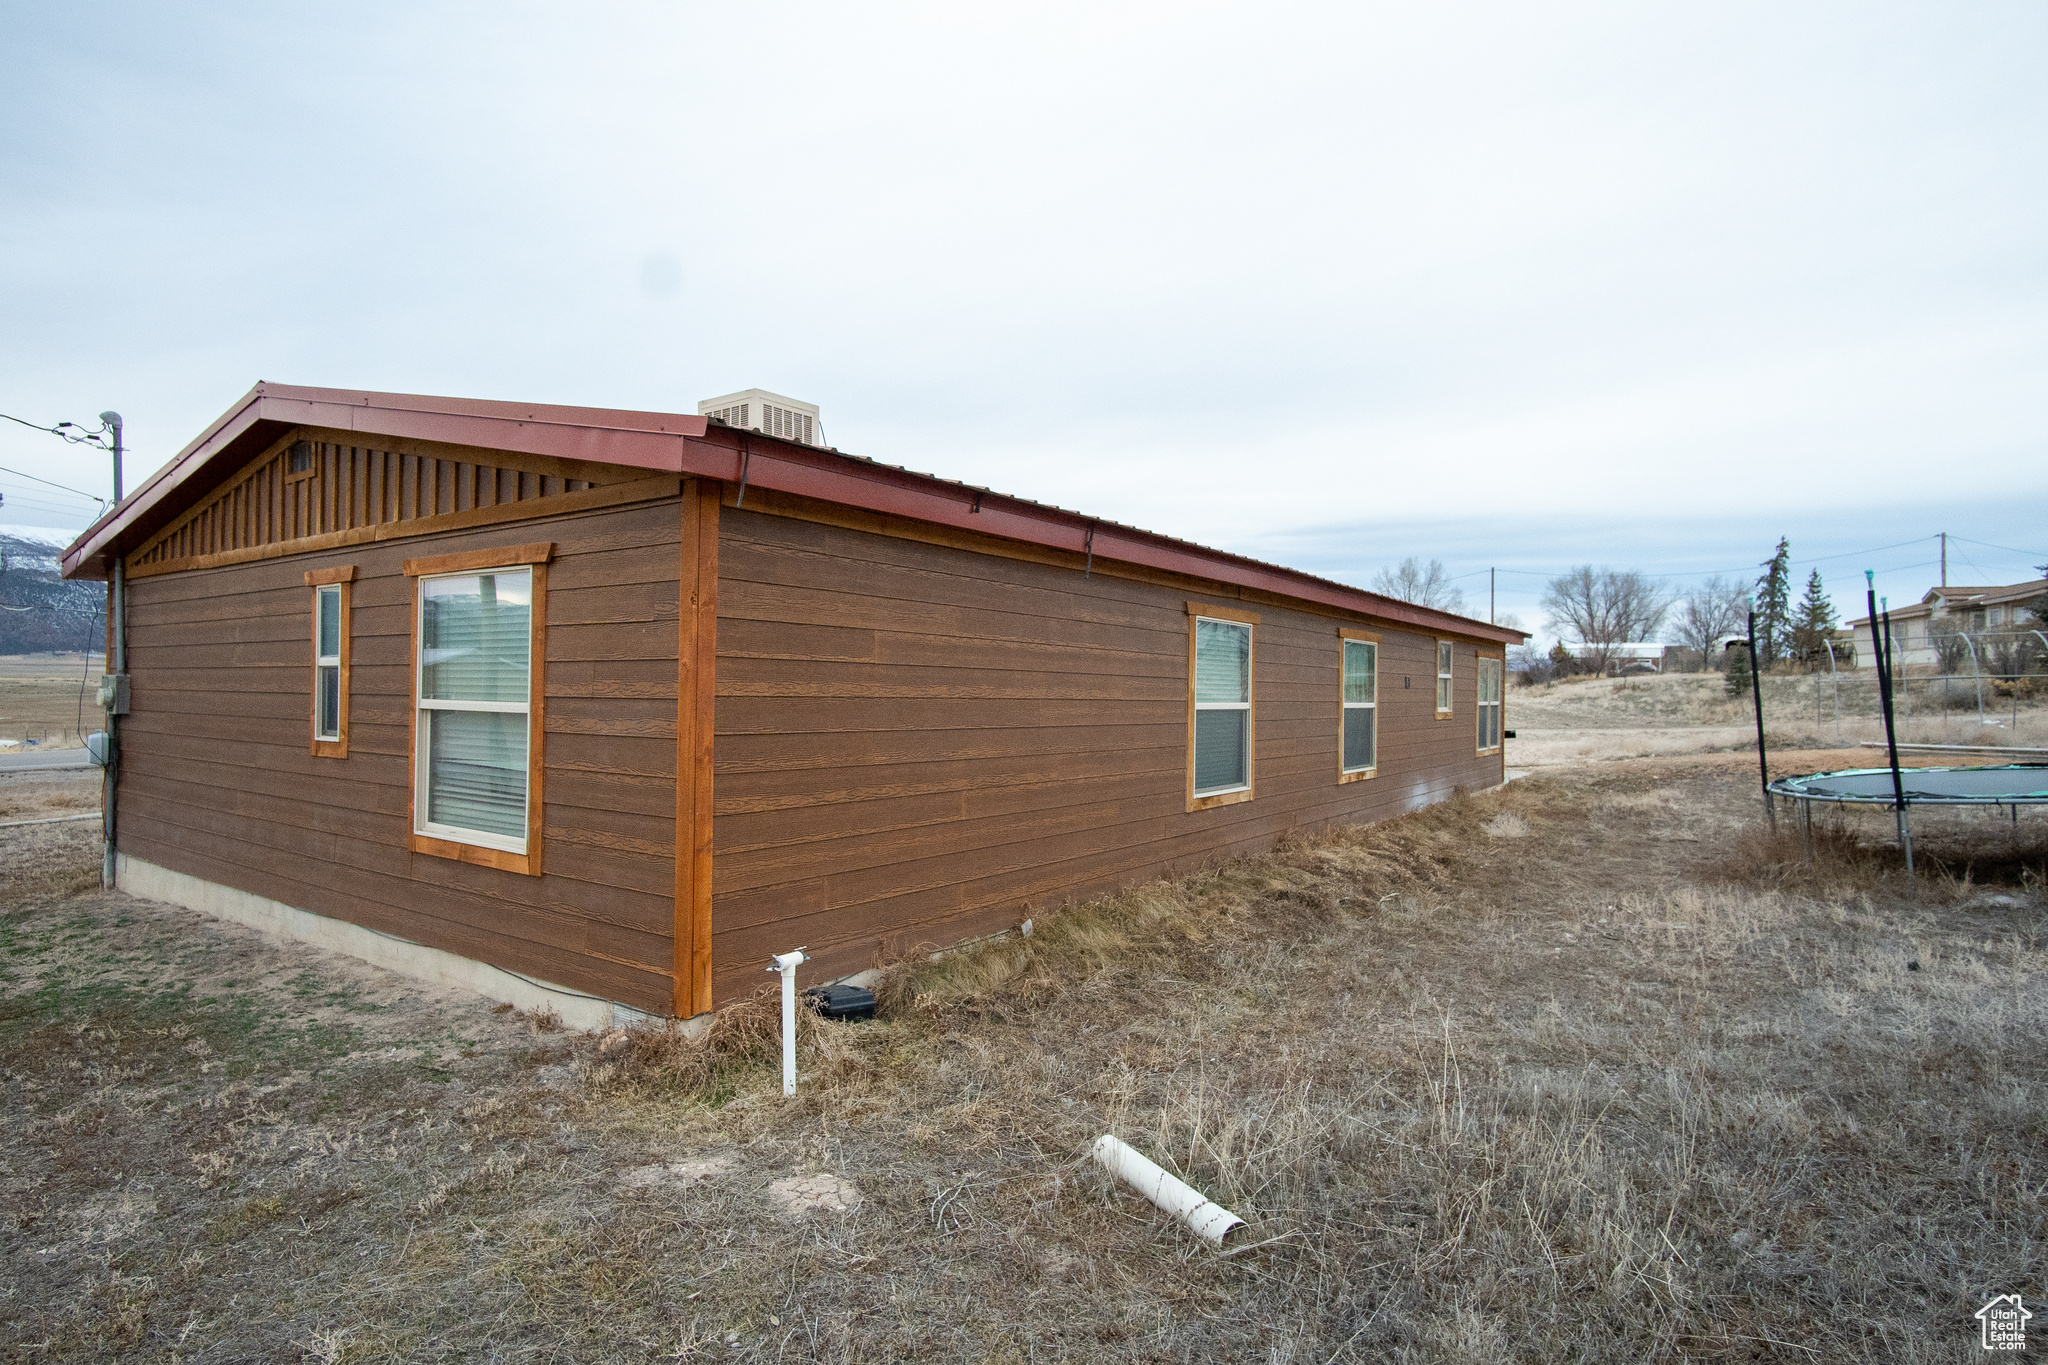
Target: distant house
[[1976, 610], [1636, 656], [588, 707]]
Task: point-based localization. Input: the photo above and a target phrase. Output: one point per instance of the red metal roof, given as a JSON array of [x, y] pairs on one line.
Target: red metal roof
[[678, 443]]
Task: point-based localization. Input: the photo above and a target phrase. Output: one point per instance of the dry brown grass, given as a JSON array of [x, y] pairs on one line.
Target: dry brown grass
[[1599, 720], [1620, 1080], [40, 700], [48, 861]]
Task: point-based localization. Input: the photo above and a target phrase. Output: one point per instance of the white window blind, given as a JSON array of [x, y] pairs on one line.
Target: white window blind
[[327, 662], [476, 640], [1361, 705], [1443, 676], [1223, 706]]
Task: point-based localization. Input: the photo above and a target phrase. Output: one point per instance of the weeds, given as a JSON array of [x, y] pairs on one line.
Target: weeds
[[1586, 1069]]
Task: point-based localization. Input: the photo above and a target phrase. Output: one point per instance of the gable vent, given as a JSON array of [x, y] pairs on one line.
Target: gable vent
[[771, 414]]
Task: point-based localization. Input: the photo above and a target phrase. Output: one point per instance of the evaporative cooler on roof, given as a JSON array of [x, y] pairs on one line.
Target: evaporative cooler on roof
[[768, 413]]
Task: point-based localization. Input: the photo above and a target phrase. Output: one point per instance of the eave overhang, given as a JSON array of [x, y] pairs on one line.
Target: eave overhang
[[681, 444]]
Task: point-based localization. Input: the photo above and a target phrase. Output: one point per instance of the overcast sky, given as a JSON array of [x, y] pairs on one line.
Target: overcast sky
[[1513, 285]]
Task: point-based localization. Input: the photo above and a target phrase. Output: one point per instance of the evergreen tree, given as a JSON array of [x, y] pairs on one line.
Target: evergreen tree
[[1813, 623], [1738, 670], [1774, 607]]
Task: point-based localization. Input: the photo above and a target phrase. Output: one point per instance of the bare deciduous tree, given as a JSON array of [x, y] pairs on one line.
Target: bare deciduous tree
[[1425, 587], [1707, 615], [1601, 608]]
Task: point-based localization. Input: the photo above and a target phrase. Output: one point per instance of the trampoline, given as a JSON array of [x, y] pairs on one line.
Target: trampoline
[[2010, 784], [1990, 785]]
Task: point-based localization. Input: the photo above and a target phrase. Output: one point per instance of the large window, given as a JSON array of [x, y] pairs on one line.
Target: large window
[[475, 734], [1358, 739], [1443, 678], [1220, 694], [1490, 671], [330, 659]]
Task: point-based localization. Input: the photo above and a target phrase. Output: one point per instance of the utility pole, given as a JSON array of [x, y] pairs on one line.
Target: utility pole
[[1491, 618], [114, 687], [1944, 559]]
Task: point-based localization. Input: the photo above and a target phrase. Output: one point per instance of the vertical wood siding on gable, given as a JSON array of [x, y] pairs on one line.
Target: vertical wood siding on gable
[[918, 744], [350, 487], [217, 782]]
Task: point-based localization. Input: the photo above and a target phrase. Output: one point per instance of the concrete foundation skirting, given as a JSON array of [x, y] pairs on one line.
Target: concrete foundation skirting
[[576, 1008]]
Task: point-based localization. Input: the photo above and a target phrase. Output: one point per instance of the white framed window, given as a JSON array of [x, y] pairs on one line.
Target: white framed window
[[1490, 680], [1443, 678], [1358, 738], [327, 662], [330, 659], [1221, 741], [473, 731]]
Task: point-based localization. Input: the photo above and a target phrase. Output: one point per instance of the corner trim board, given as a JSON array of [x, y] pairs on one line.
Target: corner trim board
[[696, 710]]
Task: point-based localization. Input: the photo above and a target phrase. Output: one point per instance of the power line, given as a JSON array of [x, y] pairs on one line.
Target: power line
[[2012, 549], [61, 488], [1744, 568], [63, 431]]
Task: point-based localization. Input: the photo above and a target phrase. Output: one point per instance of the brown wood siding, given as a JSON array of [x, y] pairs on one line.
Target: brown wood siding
[[919, 744], [216, 780]]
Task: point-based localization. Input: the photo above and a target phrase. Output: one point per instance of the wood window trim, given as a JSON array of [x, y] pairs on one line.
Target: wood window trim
[[537, 558], [344, 578], [1240, 616], [1438, 675], [1365, 637], [469, 561], [1499, 658]]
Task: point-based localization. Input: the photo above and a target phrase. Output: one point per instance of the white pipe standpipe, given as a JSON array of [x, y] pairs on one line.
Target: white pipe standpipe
[[787, 963], [1210, 1222]]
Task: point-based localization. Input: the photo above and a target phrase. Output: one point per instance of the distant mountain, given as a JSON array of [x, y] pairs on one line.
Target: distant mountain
[[57, 615]]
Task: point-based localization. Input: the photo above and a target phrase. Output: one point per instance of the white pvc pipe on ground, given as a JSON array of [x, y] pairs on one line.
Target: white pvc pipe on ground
[[1210, 1222], [786, 963]]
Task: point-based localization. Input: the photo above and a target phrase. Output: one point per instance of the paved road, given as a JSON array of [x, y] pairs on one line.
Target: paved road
[[42, 760]]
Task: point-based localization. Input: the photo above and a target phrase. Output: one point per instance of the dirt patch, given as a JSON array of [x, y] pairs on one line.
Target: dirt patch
[[677, 1174], [797, 1195]]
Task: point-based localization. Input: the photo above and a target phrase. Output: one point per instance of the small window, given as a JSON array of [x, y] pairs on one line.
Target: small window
[[299, 461], [327, 664], [330, 659], [472, 733], [1359, 739], [1443, 678], [1490, 671]]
